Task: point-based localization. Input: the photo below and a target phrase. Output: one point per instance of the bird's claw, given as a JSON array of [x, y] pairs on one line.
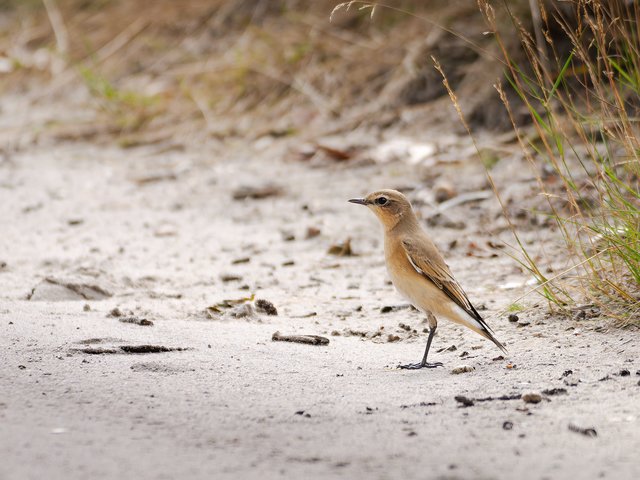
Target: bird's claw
[[417, 366]]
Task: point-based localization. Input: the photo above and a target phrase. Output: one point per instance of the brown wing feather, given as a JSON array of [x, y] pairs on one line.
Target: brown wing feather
[[431, 265]]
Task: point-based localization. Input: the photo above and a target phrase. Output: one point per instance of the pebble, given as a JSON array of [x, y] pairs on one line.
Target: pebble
[[444, 191], [462, 369], [532, 397], [265, 306], [513, 317], [312, 232]]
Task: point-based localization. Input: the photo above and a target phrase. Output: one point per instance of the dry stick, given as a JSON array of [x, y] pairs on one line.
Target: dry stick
[[121, 40], [60, 32]]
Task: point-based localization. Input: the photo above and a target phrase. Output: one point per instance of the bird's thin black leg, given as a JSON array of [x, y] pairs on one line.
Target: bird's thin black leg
[[424, 363]]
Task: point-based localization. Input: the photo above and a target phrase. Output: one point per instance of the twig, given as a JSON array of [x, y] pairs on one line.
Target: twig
[[61, 34], [460, 199], [537, 28]]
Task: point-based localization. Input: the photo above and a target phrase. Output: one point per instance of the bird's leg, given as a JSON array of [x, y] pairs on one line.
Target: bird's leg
[[433, 324]]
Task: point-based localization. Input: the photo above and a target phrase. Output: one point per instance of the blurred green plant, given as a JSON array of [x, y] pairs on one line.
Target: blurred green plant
[[129, 109]]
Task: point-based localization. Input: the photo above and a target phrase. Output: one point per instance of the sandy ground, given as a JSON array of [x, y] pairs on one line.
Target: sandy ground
[[155, 232]]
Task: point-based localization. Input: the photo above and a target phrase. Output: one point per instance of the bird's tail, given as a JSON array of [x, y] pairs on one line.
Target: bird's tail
[[489, 336], [477, 324]]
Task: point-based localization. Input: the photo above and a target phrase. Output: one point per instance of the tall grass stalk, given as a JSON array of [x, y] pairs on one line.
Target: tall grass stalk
[[584, 104]]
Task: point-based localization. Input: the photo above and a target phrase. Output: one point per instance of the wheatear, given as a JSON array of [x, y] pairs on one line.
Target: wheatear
[[418, 270]]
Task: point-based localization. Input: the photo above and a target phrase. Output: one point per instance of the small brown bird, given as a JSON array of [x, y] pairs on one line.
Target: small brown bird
[[418, 270]]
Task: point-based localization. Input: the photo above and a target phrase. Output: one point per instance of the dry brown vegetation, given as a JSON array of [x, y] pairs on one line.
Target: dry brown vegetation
[[223, 65]]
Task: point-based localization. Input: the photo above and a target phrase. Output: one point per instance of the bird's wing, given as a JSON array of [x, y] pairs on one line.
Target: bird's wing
[[426, 259]]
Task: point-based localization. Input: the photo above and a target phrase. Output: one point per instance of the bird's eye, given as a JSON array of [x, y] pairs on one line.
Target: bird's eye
[[381, 200]]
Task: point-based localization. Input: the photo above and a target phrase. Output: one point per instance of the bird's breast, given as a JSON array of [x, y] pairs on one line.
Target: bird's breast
[[409, 283]]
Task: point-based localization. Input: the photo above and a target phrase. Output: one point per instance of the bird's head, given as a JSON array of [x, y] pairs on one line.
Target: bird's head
[[390, 206]]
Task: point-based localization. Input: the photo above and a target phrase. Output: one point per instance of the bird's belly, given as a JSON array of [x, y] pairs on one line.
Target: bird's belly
[[414, 288]]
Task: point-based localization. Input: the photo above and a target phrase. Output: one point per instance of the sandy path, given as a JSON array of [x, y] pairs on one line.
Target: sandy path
[[226, 407]]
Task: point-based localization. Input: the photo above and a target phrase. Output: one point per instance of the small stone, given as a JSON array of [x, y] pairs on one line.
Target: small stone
[[532, 397], [513, 317], [392, 338], [465, 401], [507, 425], [341, 249], [116, 312], [312, 232], [230, 277], [624, 372], [444, 191], [86, 307], [265, 306], [462, 369]]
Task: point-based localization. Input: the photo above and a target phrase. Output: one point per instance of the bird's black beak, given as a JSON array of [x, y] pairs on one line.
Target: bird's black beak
[[359, 201]]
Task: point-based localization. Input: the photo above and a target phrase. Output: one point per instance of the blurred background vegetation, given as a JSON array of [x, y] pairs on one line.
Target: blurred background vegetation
[[562, 77]]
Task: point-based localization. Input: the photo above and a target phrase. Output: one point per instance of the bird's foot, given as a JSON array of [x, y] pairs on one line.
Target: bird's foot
[[417, 366]]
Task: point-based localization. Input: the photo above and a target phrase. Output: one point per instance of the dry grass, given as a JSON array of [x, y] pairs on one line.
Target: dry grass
[[244, 69], [581, 87]]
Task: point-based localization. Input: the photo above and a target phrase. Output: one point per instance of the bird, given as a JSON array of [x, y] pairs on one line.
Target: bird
[[418, 270]]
